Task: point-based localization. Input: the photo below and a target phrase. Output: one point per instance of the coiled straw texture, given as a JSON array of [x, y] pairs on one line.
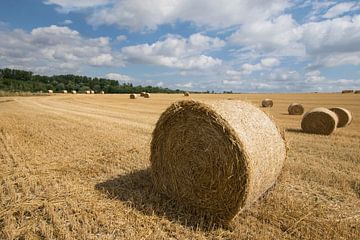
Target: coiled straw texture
[[217, 157]]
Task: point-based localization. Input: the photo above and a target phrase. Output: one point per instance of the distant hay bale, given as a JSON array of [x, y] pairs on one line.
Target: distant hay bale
[[147, 95], [357, 91], [347, 91], [133, 96], [216, 157], [102, 92], [267, 102], [142, 94], [92, 92], [186, 94], [50, 91], [65, 92], [87, 92], [295, 109], [344, 116], [73, 92], [319, 121]]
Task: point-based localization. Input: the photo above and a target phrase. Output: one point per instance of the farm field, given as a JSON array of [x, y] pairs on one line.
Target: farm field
[[76, 167]]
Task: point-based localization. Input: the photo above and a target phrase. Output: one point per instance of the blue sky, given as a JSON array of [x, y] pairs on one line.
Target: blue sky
[[238, 45]]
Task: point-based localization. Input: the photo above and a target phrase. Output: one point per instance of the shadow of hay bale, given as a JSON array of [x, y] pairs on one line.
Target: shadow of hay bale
[[294, 130], [137, 189]]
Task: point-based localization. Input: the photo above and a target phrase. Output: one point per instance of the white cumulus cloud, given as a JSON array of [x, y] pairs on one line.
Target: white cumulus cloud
[[118, 77], [73, 5], [340, 9], [176, 52], [149, 14], [54, 49]]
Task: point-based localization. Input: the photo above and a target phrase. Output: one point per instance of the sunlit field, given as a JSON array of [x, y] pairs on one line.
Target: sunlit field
[[77, 167]]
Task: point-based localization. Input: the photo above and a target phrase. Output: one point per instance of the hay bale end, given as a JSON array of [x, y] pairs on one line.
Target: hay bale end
[[344, 116], [295, 109], [267, 102], [319, 121]]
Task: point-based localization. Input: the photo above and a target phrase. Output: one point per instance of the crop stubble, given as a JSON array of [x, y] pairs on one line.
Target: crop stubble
[[76, 167]]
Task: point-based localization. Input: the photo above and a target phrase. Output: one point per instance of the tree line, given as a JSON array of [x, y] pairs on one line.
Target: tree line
[[14, 80]]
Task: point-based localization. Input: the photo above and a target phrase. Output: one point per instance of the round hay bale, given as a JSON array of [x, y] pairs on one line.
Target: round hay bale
[[319, 121], [87, 92], [133, 96], [295, 109], [92, 92], [65, 92], [357, 91], [147, 95], [102, 92], [186, 94], [73, 92], [347, 91], [267, 102], [50, 91], [142, 94], [344, 116], [218, 157]]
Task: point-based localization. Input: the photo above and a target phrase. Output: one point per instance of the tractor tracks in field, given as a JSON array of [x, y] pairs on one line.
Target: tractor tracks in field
[[81, 113]]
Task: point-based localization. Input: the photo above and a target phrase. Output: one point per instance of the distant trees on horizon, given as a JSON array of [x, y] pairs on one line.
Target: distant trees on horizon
[[14, 80]]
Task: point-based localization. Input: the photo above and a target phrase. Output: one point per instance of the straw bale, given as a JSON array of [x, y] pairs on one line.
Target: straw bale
[[344, 116], [296, 109], [319, 121], [267, 102], [216, 157]]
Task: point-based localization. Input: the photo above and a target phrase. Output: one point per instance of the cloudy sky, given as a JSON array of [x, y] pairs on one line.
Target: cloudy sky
[[238, 45]]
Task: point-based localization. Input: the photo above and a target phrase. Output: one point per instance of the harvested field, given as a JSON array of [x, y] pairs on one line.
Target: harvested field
[[76, 167]]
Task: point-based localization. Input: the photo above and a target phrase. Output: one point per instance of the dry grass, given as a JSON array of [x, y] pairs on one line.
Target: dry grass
[[76, 166]]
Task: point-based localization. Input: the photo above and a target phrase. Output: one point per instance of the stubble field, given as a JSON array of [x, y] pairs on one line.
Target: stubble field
[[76, 167]]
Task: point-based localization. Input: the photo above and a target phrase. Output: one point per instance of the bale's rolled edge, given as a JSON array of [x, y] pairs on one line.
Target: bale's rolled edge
[[255, 163], [344, 116], [319, 121]]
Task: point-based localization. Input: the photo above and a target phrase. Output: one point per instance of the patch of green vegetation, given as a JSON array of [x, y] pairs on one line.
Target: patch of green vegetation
[[13, 80]]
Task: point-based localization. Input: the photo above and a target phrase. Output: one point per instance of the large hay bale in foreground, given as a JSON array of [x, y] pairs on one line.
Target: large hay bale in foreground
[[319, 121], [186, 94], [133, 96], [295, 109], [267, 102], [217, 158], [347, 91], [344, 116], [147, 95]]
